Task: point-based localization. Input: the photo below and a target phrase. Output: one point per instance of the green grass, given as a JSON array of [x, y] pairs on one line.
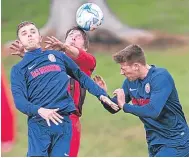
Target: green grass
[[24, 10], [165, 15], [104, 134]]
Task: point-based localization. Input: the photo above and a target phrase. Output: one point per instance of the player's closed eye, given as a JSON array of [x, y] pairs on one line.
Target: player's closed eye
[[78, 36], [24, 33], [33, 31]]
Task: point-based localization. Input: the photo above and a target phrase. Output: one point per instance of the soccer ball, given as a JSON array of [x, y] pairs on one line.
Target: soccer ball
[[89, 16]]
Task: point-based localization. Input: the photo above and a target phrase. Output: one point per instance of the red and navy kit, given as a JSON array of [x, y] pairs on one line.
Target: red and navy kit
[[155, 101], [86, 63], [41, 79]]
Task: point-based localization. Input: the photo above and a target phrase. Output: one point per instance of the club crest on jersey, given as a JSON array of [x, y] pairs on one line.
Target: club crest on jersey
[[147, 88], [52, 58]]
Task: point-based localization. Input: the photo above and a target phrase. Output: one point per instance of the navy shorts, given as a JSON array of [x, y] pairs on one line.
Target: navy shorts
[[161, 150], [53, 141]]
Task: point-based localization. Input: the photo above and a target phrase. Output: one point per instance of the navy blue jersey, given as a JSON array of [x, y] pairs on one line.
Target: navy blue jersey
[[40, 80], [155, 101]]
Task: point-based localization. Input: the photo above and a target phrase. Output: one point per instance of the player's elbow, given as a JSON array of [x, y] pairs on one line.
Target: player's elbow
[[20, 107], [154, 114]]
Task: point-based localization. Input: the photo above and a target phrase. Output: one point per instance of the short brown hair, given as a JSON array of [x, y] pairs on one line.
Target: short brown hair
[[130, 54], [83, 33], [22, 24]]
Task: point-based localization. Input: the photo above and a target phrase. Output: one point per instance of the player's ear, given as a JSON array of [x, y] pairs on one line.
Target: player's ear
[[19, 41], [136, 66], [84, 48]]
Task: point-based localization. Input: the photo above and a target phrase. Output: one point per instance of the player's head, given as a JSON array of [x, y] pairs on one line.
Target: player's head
[[29, 35], [77, 37], [132, 61]]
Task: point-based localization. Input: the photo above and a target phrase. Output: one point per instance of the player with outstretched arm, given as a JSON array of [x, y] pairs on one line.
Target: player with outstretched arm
[[39, 86], [154, 100], [75, 46]]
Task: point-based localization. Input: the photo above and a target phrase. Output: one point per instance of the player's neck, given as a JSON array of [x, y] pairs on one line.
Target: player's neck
[[32, 49], [144, 71]]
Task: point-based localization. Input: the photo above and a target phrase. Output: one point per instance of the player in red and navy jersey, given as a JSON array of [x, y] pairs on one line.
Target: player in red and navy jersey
[[39, 84], [76, 46], [155, 101]]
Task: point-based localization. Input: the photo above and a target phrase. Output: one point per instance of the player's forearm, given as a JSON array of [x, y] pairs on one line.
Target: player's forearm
[[26, 107], [161, 91], [141, 111], [72, 51], [87, 83]]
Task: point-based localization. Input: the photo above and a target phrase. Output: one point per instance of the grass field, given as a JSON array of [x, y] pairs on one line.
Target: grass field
[[104, 134]]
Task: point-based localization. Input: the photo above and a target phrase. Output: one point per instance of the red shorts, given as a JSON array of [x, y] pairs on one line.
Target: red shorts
[[76, 133]]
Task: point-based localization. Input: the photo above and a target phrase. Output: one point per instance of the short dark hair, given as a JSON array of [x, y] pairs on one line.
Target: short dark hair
[[22, 24], [130, 54], [83, 33]]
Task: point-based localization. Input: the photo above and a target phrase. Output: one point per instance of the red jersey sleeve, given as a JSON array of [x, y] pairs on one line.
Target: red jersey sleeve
[[86, 62]]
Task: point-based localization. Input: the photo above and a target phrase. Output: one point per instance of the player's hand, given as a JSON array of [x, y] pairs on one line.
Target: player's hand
[[17, 48], [120, 97], [50, 115], [54, 43], [100, 81], [109, 102]]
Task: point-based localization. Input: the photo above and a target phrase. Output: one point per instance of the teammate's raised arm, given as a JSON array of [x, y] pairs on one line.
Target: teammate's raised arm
[[85, 81]]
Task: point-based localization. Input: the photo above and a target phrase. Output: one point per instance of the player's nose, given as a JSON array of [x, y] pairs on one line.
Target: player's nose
[[29, 35], [73, 38]]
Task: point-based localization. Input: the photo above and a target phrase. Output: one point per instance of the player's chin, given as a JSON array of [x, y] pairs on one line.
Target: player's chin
[[131, 78], [31, 47], [128, 77]]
